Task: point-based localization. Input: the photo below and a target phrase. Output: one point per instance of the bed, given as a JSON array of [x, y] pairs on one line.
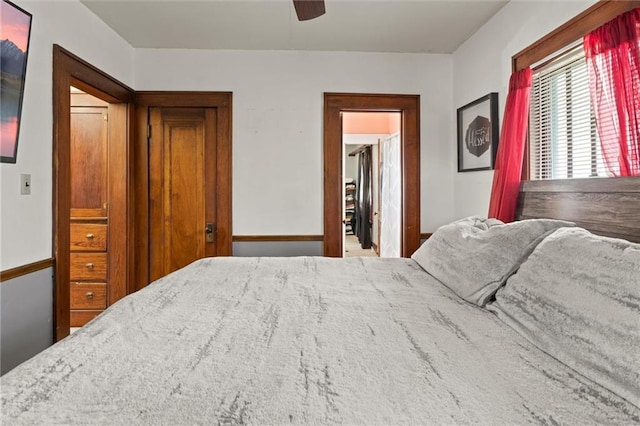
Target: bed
[[535, 322]]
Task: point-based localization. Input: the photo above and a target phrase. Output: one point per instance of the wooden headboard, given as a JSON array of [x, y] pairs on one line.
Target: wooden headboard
[[604, 206]]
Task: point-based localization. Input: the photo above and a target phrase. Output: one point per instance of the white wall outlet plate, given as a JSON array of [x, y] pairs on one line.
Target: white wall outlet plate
[[25, 184]]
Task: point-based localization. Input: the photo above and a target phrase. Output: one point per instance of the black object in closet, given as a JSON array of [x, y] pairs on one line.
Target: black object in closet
[[363, 198]]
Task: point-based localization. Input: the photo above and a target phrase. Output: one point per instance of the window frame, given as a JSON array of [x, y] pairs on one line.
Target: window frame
[[566, 59], [561, 38]]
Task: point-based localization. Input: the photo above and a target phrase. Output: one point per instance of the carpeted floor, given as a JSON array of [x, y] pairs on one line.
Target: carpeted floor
[[352, 248]]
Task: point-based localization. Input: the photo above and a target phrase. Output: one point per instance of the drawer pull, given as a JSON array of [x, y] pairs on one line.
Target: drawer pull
[[89, 265], [89, 295], [90, 236]]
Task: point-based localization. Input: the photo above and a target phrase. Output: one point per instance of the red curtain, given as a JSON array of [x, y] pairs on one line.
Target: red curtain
[[508, 168], [613, 61]]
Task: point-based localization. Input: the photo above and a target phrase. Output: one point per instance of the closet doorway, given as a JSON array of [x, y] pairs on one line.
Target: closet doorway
[[335, 106], [91, 190], [373, 184]]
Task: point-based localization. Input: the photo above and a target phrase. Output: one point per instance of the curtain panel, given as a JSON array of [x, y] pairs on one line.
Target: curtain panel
[[508, 168], [363, 199], [613, 63]]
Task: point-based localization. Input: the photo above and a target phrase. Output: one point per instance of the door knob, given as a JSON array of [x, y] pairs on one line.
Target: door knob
[[208, 232]]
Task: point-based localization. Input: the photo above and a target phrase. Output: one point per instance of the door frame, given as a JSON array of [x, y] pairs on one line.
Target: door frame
[[69, 69], [409, 107], [222, 102]]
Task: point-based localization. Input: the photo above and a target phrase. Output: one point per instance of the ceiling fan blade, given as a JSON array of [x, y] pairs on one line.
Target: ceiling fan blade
[[308, 9]]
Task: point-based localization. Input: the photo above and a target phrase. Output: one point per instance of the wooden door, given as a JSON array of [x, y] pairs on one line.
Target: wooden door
[[182, 187]]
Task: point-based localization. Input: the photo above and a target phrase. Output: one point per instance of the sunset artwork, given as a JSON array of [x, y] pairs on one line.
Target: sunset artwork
[[15, 26]]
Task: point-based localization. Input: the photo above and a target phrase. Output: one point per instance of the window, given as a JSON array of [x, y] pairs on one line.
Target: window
[[563, 140]]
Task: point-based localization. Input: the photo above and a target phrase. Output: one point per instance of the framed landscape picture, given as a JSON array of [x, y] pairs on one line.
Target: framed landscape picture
[[15, 29], [478, 134]]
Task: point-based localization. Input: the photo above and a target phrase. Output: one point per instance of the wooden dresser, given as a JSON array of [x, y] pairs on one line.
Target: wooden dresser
[[89, 213], [88, 270]]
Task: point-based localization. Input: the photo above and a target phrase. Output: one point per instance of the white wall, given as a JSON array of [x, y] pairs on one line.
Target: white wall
[[350, 167], [277, 123], [26, 220], [483, 65]]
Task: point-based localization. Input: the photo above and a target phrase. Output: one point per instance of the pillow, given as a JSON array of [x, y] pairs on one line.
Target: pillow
[[474, 256], [577, 298]]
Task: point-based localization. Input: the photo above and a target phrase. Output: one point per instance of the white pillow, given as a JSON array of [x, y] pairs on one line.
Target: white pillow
[[577, 298], [475, 256]]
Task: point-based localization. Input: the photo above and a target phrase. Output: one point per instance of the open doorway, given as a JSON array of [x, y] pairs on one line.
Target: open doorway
[[408, 107], [91, 190], [373, 184]]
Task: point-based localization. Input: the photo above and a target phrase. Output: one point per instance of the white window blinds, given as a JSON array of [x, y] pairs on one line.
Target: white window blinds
[[563, 140]]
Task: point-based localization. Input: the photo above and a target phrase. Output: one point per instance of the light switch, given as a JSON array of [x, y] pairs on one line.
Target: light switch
[[25, 184]]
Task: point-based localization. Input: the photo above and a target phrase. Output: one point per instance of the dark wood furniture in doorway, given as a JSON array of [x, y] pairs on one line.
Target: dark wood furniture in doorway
[[409, 106], [89, 213]]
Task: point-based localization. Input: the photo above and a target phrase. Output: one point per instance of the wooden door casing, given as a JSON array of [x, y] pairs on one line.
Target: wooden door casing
[[409, 107], [182, 158], [70, 70], [376, 213]]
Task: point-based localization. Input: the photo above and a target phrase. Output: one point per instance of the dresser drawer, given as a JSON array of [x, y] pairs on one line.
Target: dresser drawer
[[88, 237], [80, 318], [88, 295], [88, 267]]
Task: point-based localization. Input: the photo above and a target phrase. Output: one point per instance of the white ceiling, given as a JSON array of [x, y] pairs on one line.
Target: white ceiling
[[405, 26]]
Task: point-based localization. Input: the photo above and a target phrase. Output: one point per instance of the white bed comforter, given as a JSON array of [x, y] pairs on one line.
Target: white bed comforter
[[301, 340]]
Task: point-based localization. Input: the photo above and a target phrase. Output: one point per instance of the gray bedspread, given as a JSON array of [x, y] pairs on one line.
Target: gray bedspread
[[301, 340]]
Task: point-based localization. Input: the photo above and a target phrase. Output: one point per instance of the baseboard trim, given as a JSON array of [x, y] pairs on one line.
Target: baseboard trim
[[275, 238], [19, 271], [426, 236]]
